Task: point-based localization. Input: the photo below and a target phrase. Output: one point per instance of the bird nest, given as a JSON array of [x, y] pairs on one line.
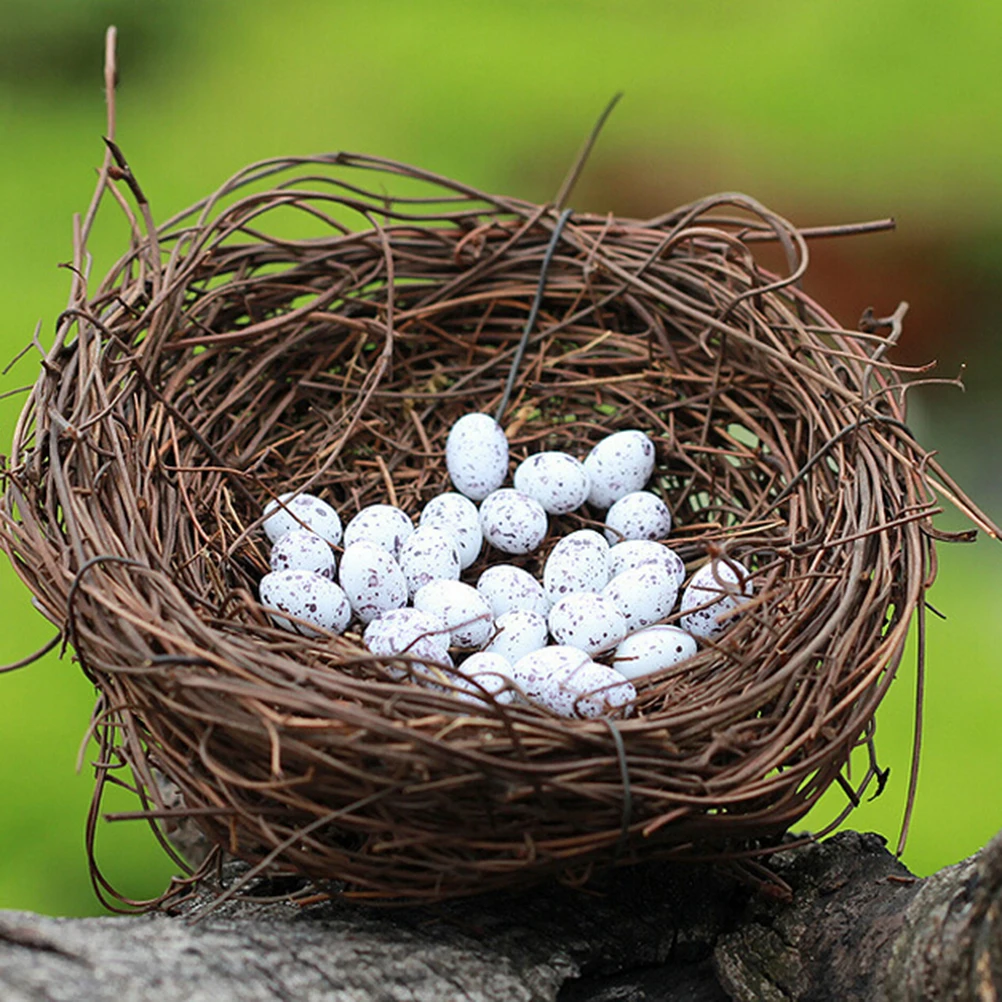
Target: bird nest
[[319, 324]]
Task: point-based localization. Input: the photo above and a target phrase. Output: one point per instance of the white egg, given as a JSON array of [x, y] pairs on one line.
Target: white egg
[[587, 621], [301, 550], [305, 595], [637, 552], [490, 673], [566, 681], [507, 587], [559, 482], [652, 649], [458, 516], [518, 633], [398, 630], [372, 580], [617, 465], [579, 562], [461, 607], [429, 554], [638, 515], [381, 524], [512, 521], [721, 586], [643, 595], [476, 454], [298, 511]]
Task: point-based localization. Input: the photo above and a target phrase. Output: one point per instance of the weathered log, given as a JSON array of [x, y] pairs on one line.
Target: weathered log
[[859, 926]]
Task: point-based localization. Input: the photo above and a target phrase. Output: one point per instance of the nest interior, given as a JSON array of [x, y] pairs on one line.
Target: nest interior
[[227, 358]]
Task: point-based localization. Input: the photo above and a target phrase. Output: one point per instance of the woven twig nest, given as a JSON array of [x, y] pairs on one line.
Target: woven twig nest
[[309, 327]]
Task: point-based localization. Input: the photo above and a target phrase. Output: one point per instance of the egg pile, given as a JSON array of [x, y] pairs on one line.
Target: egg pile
[[574, 642]]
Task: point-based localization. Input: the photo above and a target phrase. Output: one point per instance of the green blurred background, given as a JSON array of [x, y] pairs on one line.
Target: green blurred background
[[829, 112]]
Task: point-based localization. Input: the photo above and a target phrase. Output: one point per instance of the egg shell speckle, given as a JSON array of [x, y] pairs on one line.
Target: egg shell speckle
[[372, 580], [490, 671], [619, 464], [396, 631], [518, 633], [429, 554], [566, 681], [460, 517], [579, 562], [725, 585], [507, 587], [637, 552], [643, 595], [381, 524], [476, 454], [461, 607], [638, 515], [651, 650], [513, 522], [301, 550], [587, 621], [559, 482], [308, 596], [298, 511]]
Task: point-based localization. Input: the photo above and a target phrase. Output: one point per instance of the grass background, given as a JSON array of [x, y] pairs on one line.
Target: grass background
[[827, 111]]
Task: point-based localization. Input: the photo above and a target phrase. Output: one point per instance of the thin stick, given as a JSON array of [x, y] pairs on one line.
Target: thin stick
[[582, 158]]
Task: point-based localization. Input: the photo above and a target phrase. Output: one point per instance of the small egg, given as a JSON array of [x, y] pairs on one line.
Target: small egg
[[566, 681], [372, 580], [491, 673], [587, 621], [297, 511], [636, 552], [579, 562], [458, 516], [638, 515], [398, 630], [512, 521], [559, 482], [305, 595], [429, 554], [381, 524], [476, 454], [461, 607], [301, 550], [643, 595], [618, 465], [651, 649], [721, 586], [507, 587], [518, 633]]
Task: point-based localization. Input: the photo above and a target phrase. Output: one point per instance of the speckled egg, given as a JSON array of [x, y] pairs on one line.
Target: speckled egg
[[725, 585], [507, 587], [429, 554], [460, 517], [652, 649], [638, 515], [559, 482], [305, 595], [587, 621], [381, 524], [579, 562], [618, 465], [518, 633], [461, 607], [476, 454], [485, 671], [512, 522], [566, 681], [399, 630], [372, 580], [643, 595], [637, 552], [302, 550], [297, 511]]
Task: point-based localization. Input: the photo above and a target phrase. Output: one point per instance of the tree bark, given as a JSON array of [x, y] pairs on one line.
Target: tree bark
[[859, 926]]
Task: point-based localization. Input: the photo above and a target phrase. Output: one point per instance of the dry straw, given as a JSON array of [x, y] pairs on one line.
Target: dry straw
[[318, 324]]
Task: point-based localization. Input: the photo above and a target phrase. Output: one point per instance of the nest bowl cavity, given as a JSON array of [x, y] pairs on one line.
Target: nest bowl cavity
[[302, 328]]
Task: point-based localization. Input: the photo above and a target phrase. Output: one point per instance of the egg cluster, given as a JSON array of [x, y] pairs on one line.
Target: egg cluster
[[573, 642]]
